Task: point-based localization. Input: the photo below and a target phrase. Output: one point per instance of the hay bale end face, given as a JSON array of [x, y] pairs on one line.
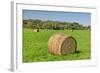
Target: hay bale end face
[[61, 44]]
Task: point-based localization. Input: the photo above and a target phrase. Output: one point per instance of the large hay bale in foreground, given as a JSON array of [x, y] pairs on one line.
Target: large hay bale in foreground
[[61, 44]]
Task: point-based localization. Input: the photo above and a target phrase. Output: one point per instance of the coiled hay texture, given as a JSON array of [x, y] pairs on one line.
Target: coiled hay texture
[[60, 44]]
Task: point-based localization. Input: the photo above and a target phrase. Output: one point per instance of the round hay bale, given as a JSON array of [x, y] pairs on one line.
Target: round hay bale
[[60, 44], [35, 30]]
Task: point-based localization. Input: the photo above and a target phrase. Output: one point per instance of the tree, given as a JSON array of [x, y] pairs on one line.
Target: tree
[[54, 25], [75, 26], [89, 27]]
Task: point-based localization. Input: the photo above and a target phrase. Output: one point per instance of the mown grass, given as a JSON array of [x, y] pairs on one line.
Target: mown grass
[[35, 46]]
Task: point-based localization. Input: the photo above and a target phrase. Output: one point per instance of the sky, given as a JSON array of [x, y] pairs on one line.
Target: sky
[[82, 18]]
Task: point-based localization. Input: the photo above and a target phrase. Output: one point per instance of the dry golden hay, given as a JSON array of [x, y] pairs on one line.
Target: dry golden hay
[[60, 44]]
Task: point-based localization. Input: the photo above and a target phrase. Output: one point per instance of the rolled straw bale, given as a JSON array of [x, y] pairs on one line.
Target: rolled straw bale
[[35, 30], [61, 44]]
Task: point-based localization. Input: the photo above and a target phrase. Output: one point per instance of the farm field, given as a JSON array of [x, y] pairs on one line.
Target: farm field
[[35, 45]]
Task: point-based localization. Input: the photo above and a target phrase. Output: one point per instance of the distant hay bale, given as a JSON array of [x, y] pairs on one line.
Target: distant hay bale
[[61, 44], [35, 30]]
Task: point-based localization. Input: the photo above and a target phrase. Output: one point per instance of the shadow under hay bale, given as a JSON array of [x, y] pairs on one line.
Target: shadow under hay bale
[[60, 44]]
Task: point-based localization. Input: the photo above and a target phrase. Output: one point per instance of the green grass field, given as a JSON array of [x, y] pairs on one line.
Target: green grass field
[[35, 45]]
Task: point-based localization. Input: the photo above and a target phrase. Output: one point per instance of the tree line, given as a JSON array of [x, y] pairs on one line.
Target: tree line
[[54, 25]]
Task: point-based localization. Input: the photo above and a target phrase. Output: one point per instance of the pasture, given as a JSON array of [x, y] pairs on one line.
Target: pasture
[[35, 45]]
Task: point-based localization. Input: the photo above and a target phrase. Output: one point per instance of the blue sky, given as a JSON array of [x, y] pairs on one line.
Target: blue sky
[[82, 18]]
